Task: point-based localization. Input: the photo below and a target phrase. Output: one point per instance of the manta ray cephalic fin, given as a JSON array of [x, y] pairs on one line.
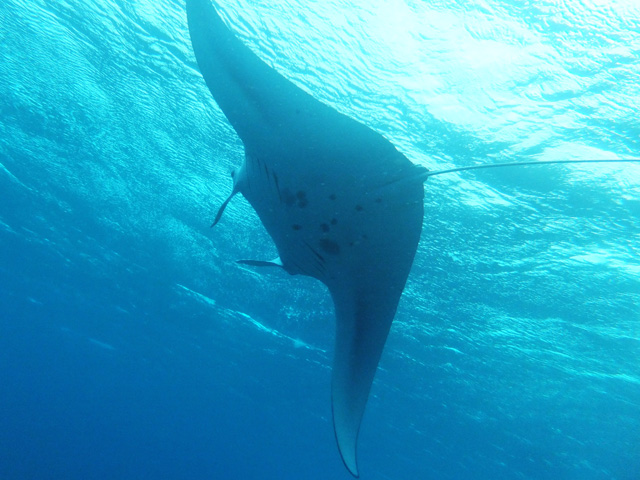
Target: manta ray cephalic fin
[[276, 262]]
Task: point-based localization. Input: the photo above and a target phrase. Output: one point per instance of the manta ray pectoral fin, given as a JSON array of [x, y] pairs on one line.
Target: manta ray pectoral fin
[[363, 320], [276, 262]]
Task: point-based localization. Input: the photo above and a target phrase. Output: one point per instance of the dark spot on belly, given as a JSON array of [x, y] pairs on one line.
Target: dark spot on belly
[[329, 246], [301, 198], [332, 196], [334, 221], [359, 208], [324, 227], [295, 226]]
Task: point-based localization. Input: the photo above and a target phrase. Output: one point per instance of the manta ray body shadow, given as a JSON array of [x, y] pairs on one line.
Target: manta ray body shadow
[[341, 203]]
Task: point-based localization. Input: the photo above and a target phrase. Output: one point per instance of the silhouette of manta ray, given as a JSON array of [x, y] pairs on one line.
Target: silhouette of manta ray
[[340, 202]]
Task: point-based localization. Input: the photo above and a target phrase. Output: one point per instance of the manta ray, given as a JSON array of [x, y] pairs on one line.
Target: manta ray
[[340, 202]]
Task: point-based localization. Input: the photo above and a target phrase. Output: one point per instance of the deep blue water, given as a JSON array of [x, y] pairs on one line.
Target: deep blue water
[[133, 346]]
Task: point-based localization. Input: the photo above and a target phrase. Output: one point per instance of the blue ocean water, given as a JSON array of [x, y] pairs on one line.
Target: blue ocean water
[[133, 346]]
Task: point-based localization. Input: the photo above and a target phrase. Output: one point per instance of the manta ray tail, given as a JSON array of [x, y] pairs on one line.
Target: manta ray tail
[[428, 174]]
